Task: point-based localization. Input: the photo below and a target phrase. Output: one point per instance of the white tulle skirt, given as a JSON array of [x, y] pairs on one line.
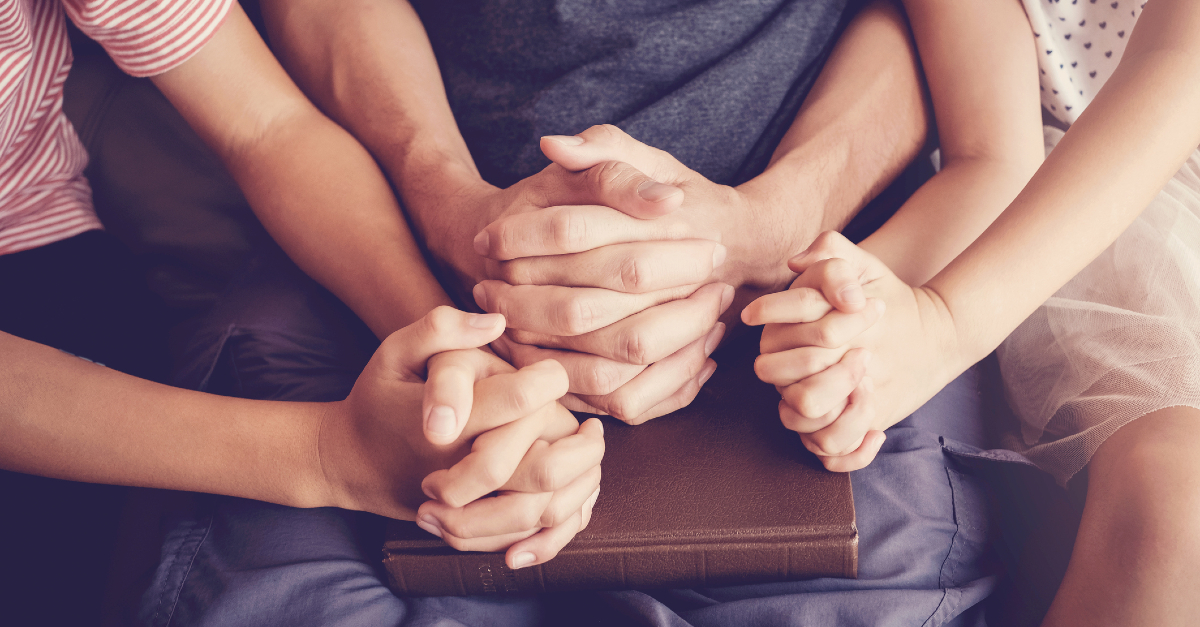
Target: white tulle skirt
[[1119, 341]]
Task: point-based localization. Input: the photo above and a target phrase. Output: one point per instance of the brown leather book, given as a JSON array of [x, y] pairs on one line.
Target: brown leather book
[[718, 493]]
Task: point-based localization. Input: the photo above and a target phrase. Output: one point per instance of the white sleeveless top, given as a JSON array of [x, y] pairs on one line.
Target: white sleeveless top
[[1079, 44]]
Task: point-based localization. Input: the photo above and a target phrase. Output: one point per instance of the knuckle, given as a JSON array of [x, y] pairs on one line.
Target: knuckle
[[825, 336], [635, 347], [492, 475], [634, 274], [607, 175], [827, 241], [555, 515], [604, 378], [578, 315], [457, 527], [809, 406], [521, 398], [624, 408], [827, 444], [546, 478], [607, 133], [568, 230], [441, 319]]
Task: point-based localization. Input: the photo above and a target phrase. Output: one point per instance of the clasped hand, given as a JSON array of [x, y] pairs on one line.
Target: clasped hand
[[434, 427], [609, 265], [845, 369]]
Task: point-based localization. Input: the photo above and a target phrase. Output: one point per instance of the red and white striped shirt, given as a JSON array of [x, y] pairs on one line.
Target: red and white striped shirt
[[44, 197]]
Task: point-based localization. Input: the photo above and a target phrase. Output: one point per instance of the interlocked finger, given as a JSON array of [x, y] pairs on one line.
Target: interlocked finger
[[834, 330], [549, 467], [565, 229], [567, 311], [818, 395], [664, 386], [588, 374], [449, 390], [845, 434], [799, 304], [649, 335], [634, 268], [790, 366]]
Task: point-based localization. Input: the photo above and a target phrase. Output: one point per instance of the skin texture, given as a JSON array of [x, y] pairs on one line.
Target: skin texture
[[322, 197], [72, 419], [840, 152], [1135, 555], [989, 131]]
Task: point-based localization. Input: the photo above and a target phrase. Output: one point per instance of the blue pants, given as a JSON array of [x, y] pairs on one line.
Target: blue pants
[[923, 517]]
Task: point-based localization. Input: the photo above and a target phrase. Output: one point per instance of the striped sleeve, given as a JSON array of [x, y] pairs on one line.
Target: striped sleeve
[[149, 37]]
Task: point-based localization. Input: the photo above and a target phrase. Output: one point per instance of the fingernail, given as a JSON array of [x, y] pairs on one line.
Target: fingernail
[[591, 502], [853, 295], [441, 421], [726, 298], [484, 321], [481, 243], [655, 191], [714, 338], [719, 256], [423, 522], [523, 559], [569, 140], [708, 375], [480, 296]]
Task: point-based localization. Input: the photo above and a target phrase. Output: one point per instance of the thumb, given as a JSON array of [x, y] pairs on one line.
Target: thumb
[[637, 177], [442, 329]]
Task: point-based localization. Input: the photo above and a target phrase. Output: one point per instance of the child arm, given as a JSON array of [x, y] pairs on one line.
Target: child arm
[[980, 63]]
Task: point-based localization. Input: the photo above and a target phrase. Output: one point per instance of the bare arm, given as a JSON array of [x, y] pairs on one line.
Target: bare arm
[[1107, 168], [862, 123], [981, 65], [318, 192], [1101, 176]]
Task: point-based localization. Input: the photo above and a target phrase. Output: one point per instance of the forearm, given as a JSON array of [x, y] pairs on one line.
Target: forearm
[[312, 185], [72, 419], [945, 215], [339, 220], [981, 63], [1109, 166], [864, 121], [370, 66]]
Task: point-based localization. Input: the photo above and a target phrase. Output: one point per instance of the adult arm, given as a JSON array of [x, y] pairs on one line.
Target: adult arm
[[315, 188], [1106, 169]]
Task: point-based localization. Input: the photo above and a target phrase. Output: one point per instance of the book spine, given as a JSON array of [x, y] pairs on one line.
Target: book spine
[[623, 568]]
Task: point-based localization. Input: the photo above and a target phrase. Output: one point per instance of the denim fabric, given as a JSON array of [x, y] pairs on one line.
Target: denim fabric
[[923, 518]]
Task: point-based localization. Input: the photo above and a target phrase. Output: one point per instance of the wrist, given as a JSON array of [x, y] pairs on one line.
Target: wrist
[[952, 352], [323, 488], [775, 226], [445, 200]]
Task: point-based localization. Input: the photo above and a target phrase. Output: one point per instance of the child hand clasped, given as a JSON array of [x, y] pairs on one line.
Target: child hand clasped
[[847, 371]]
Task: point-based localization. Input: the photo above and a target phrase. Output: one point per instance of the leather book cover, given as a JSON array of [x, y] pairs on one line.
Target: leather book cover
[[718, 493]]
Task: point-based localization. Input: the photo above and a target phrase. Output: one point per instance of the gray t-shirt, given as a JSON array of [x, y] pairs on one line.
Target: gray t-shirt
[[714, 83]]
